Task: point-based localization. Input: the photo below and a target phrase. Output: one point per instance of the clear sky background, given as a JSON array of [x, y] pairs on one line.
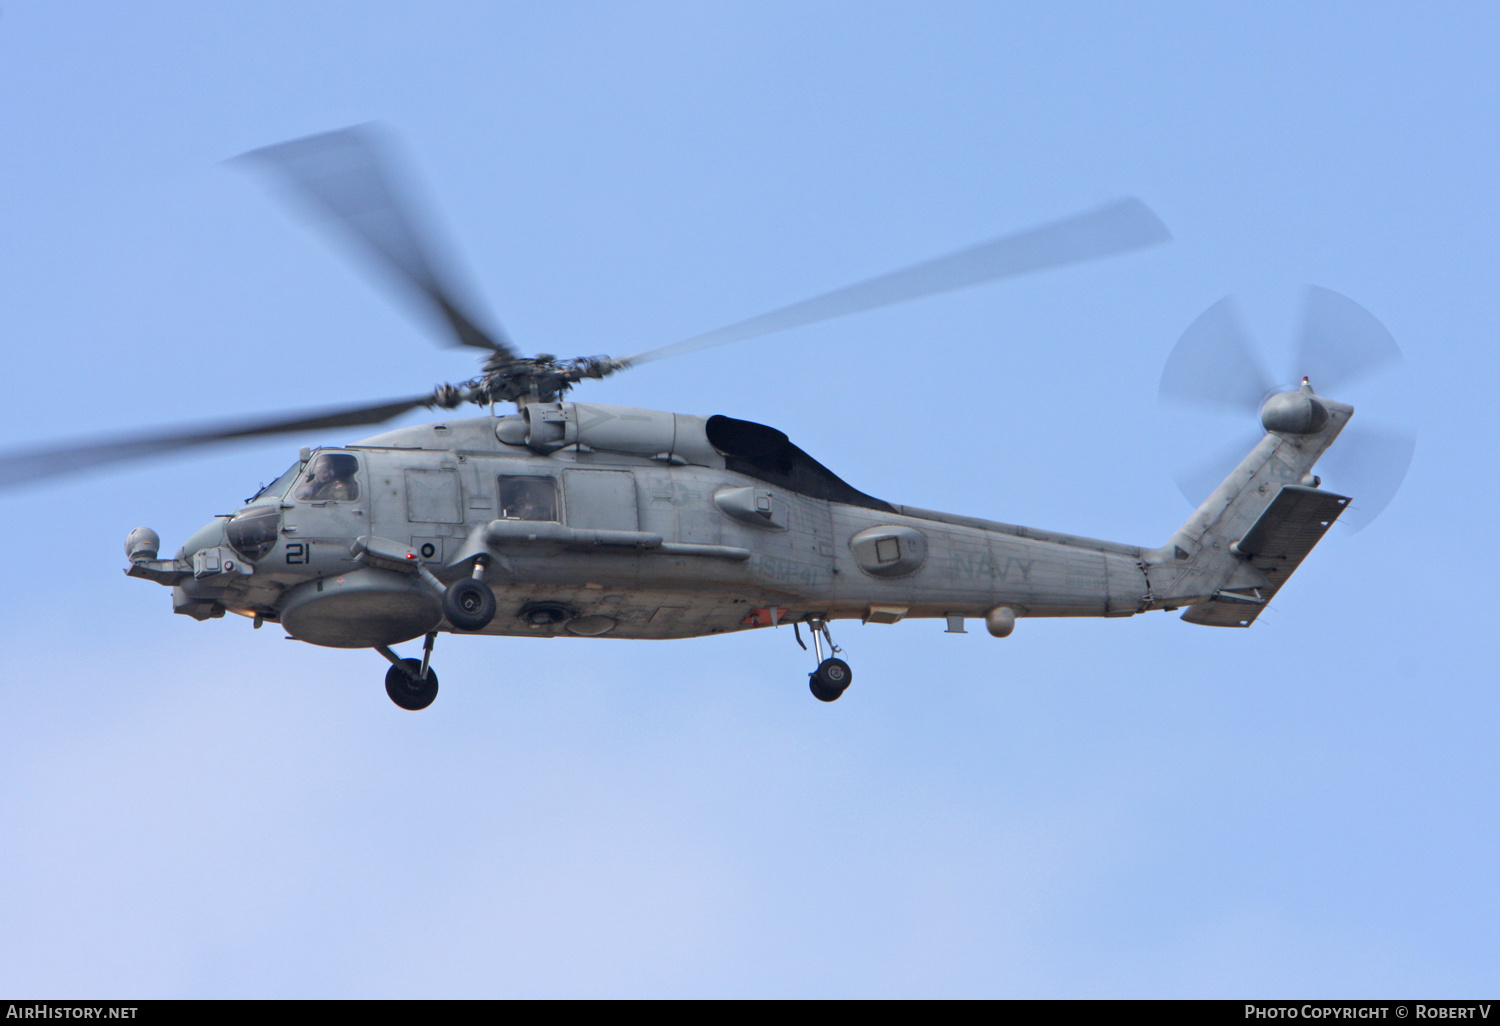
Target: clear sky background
[[1088, 808]]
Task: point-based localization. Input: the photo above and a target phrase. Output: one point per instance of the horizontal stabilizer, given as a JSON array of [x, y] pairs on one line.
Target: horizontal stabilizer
[[1275, 545]]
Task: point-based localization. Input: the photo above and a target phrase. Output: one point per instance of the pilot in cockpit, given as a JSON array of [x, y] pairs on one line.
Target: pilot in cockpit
[[330, 477]]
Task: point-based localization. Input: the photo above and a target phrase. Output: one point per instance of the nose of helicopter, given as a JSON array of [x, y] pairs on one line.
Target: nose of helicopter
[[206, 537], [188, 594]]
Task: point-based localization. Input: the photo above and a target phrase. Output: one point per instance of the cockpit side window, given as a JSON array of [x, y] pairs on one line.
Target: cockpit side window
[[330, 477], [528, 497]]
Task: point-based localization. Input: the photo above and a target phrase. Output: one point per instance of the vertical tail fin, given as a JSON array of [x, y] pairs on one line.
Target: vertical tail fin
[[1241, 545]]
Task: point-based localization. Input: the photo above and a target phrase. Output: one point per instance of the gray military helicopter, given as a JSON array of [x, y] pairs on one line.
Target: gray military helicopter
[[575, 519]]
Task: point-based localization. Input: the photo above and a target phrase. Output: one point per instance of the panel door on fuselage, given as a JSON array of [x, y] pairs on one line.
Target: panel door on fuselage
[[434, 510], [434, 497], [601, 500]]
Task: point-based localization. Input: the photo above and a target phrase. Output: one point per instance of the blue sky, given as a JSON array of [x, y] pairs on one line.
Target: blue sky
[[1092, 808]]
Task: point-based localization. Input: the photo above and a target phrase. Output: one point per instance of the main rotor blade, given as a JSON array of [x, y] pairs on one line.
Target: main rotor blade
[[1214, 366], [20, 468], [1118, 227], [350, 176], [1340, 342]]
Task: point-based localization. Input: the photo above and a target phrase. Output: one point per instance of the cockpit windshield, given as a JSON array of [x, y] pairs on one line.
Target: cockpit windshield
[[278, 487]]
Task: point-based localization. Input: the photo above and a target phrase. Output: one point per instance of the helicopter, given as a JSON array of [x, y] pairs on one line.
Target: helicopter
[[571, 519]]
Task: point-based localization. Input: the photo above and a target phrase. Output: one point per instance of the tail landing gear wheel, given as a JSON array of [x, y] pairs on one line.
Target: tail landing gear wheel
[[406, 689], [830, 679], [469, 604]]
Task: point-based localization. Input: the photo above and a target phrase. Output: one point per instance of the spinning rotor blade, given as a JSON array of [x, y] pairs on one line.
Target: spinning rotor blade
[[1115, 228], [1369, 465], [1340, 341], [1197, 482], [1214, 366], [347, 176], [24, 467]]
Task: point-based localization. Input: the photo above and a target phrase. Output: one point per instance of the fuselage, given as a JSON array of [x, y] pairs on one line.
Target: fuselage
[[603, 521]]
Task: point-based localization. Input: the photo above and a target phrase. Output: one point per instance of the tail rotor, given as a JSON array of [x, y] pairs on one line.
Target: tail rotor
[[1215, 368]]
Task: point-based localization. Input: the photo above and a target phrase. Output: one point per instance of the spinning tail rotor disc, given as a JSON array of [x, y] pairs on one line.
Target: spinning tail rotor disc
[[1215, 368]]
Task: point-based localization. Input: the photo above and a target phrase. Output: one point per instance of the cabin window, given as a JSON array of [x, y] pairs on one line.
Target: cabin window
[[528, 497], [330, 477]]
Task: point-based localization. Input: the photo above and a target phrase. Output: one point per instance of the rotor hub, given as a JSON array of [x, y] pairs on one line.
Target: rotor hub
[[524, 380], [1296, 412]]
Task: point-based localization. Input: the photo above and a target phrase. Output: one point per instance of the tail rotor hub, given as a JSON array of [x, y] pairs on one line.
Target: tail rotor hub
[[1295, 412]]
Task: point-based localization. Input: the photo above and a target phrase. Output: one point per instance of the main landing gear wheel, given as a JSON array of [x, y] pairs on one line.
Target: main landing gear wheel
[[406, 686], [469, 604], [830, 680]]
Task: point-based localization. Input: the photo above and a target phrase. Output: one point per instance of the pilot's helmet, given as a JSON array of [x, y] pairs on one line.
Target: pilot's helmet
[[341, 464]]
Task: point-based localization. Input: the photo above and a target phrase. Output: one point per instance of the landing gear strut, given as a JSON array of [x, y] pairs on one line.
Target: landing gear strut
[[833, 675], [411, 683]]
